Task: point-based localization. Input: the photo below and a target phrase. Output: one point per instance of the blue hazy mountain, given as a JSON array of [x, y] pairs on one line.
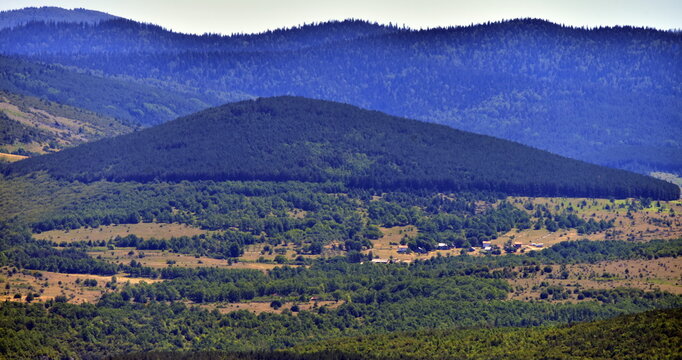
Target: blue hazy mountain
[[608, 95], [51, 14]]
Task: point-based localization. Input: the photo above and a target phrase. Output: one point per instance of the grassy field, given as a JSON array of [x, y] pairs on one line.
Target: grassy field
[[8, 158], [161, 259], [48, 285], [664, 274], [386, 247], [632, 220], [258, 307], [144, 230]]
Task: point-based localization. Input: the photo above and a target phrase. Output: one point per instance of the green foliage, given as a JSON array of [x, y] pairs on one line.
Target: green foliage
[[649, 335]]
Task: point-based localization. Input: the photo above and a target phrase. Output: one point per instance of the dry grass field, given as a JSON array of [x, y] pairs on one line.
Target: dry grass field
[[664, 274], [75, 127], [161, 259], [48, 285], [8, 158], [258, 307], [632, 221], [144, 230]]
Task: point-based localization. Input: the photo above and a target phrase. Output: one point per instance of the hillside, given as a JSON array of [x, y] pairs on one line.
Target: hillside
[[290, 138], [608, 96], [30, 125], [133, 102], [649, 335], [50, 14]]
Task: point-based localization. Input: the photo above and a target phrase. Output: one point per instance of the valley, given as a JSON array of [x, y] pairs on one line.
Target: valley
[[342, 189]]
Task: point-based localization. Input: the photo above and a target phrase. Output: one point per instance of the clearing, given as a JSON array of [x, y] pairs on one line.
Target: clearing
[[664, 274], [49, 285], [104, 233], [161, 259]]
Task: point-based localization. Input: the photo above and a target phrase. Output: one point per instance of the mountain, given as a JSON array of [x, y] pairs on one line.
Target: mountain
[[130, 101], [293, 138], [32, 125], [114, 37], [604, 95], [50, 14]]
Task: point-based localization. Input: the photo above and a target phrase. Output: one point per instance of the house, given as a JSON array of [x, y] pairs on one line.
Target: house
[[443, 246], [380, 261], [537, 244], [403, 249]]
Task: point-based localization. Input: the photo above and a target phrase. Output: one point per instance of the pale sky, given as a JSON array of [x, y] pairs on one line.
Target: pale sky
[[249, 16]]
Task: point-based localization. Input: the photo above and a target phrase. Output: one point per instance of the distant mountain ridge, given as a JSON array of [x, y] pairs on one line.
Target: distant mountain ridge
[[607, 95], [293, 138], [51, 14]]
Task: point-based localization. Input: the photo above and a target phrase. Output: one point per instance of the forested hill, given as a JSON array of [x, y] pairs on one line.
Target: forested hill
[[293, 138], [113, 36], [50, 14], [134, 102], [608, 95]]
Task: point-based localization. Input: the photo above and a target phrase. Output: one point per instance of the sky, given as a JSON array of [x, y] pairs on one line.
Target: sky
[[251, 16]]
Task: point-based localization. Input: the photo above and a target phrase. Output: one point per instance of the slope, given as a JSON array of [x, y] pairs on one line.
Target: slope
[[607, 95], [130, 101], [649, 335], [50, 14], [31, 125], [291, 138]]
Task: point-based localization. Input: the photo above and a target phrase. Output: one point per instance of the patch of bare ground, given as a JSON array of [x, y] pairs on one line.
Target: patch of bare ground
[[104, 233], [664, 274], [48, 285], [258, 307]]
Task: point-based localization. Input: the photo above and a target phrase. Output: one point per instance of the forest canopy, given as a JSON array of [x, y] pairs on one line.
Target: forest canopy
[[293, 138]]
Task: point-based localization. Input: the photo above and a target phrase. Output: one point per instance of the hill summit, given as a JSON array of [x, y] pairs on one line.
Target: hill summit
[[293, 138], [51, 14]]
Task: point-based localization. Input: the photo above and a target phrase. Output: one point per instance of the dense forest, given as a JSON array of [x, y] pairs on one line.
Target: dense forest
[[290, 138], [15, 18], [133, 102], [589, 340], [606, 95]]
